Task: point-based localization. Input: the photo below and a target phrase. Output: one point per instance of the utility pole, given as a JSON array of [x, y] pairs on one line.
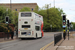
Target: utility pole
[[64, 26], [54, 3], [68, 28], [10, 5], [7, 22], [47, 12]]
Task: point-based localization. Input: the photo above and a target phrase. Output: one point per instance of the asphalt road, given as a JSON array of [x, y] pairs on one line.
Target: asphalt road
[[28, 44]]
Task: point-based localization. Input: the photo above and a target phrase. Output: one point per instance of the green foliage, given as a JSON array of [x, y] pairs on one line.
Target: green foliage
[[3, 13], [36, 9], [51, 16], [25, 9], [4, 28], [73, 25], [15, 18]]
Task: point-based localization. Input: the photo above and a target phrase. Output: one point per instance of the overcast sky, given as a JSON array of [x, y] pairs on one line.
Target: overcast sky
[[68, 6]]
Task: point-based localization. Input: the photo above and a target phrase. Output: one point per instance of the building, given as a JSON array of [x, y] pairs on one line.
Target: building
[[19, 6]]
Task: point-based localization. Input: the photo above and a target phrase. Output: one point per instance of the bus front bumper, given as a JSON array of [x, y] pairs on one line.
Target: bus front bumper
[[26, 36]]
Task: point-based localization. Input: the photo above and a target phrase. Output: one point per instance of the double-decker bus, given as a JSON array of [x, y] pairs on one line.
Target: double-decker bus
[[30, 25]]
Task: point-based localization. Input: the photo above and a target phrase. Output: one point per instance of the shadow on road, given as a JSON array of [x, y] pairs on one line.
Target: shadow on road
[[29, 38]]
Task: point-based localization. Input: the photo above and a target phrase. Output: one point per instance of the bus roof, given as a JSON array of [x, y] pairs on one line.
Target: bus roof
[[31, 12]]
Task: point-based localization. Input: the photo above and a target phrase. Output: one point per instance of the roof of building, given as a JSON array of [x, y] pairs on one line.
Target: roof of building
[[18, 3]]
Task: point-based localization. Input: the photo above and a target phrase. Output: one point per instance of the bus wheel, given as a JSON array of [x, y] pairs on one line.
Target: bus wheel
[[36, 35], [41, 35]]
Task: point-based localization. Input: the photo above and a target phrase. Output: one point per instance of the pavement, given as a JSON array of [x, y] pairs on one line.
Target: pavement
[[63, 44], [5, 39], [67, 44]]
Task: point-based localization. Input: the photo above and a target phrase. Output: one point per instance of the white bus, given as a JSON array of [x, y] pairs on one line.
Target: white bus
[[30, 25]]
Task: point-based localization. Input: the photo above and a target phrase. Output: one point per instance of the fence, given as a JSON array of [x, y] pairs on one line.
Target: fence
[[3, 35], [57, 38]]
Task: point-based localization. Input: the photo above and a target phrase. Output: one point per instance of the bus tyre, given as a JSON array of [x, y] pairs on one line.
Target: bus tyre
[[36, 36], [41, 35]]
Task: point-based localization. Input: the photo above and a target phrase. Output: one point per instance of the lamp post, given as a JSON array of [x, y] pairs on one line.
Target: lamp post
[[54, 3], [10, 5]]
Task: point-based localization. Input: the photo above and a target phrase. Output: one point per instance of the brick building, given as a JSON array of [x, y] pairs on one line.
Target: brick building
[[19, 6]]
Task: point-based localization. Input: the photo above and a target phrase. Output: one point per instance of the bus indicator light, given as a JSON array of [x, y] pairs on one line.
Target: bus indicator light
[[19, 19], [19, 29], [32, 32], [31, 19]]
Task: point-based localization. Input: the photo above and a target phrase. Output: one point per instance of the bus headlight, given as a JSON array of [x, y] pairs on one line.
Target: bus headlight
[[31, 19]]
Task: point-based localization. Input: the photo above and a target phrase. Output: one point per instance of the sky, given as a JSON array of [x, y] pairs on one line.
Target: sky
[[68, 6]]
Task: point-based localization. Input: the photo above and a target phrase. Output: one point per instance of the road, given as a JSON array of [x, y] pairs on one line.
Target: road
[[73, 34], [28, 44]]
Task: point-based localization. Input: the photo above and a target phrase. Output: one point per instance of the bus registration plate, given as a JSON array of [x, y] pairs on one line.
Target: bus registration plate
[[26, 28]]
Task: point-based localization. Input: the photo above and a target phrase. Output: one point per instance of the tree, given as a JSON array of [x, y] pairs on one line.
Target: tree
[[51, 16], [73, 25], [15, 19], [25, 9], [13, 15], [36, 9], [3, 13]]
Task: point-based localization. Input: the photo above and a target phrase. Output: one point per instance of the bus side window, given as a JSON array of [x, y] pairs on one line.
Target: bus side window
[[41, 18], [35, 16], [37, 28]]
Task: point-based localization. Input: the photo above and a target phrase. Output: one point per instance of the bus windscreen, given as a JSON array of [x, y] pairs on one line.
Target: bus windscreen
[[25, 14]]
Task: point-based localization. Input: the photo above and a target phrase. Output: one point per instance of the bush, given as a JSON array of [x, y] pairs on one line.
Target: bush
[[4, 28]]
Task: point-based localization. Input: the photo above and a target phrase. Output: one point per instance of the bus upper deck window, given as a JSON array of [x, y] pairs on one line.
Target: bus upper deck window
[[26, 14]]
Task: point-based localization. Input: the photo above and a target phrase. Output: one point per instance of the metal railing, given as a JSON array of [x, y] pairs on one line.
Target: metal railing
[[57, 38]]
